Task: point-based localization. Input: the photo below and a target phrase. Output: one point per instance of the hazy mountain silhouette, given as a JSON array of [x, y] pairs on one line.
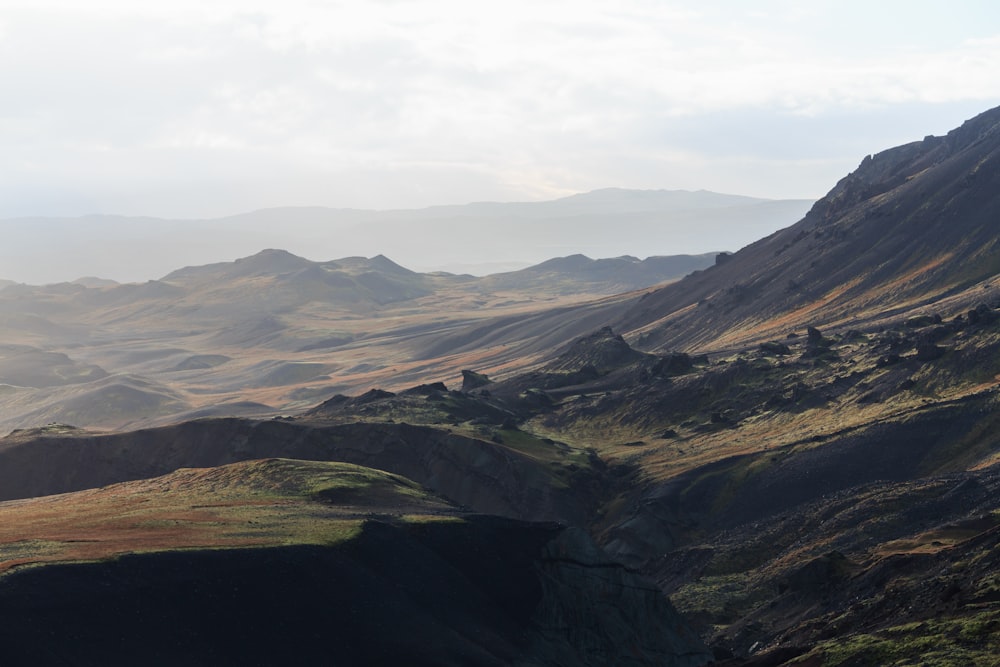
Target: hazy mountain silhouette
[[603, 223]]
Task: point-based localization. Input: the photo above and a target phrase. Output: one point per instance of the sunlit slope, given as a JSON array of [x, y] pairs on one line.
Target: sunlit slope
[[910, 226], [267, 502]]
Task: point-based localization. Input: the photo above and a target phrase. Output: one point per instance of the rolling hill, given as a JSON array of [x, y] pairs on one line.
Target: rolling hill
[[262, 335]]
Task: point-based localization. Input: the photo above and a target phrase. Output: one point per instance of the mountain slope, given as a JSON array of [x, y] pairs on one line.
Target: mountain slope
[[911, 225], [611, 275]]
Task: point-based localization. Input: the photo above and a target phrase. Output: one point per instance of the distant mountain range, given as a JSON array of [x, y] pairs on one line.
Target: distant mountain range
[[473, 238]]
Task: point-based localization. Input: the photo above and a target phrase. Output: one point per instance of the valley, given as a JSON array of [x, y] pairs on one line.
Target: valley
[[786, 455], [272, 333]]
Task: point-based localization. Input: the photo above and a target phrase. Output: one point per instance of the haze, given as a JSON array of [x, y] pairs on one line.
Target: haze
[[199, 110]]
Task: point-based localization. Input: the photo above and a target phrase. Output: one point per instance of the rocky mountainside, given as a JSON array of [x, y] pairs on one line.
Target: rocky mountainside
[[909, 227]]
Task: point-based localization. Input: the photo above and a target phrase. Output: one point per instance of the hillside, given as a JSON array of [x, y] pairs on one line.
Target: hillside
[[259, 561], [796, 444], [262, 335], [911, 226], [907, 233]]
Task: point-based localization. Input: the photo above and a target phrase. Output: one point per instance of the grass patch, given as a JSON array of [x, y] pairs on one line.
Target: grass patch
[[269, 502], [953, 642], [722, 597]]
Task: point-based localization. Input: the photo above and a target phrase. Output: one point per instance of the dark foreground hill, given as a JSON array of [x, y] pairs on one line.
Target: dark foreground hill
[[483, 592], [314, 562]]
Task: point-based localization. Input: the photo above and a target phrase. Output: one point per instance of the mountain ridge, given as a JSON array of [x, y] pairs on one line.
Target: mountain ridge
[[876, 239], [626, 221]]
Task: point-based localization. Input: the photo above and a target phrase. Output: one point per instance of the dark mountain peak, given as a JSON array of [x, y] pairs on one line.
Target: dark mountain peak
[[386, 265], [272, 259], [986, 124], [379, 264], [575, 262]]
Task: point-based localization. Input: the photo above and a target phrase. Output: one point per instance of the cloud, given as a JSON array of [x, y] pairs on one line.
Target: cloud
[[119, 99]]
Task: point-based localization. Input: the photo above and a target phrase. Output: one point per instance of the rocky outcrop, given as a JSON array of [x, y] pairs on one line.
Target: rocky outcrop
[[603, 350], [473, 380], [607, 613]]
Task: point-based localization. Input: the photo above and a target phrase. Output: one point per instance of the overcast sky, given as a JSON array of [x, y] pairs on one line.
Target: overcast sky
[[201, 109]]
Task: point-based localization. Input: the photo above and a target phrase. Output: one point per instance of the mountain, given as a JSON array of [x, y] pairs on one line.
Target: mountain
[[910, 227], [609, 276], [821, 486], [603, 223], [195, 342], [796, 444]]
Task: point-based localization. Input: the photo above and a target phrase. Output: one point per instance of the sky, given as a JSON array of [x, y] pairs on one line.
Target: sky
[[200, 109]]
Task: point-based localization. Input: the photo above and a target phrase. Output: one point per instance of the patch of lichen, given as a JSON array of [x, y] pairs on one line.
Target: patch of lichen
[[949, 642]]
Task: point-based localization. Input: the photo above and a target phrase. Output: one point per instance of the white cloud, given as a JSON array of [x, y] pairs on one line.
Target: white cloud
[[530, 98]]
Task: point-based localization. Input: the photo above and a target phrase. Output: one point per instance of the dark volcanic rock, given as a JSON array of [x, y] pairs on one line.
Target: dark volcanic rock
[[981, 314], [929, 352], [483, 591], [674, 363], [775, 347], [472, 380], [371, 396], [603, 350], [613, 627], [426, 389]]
